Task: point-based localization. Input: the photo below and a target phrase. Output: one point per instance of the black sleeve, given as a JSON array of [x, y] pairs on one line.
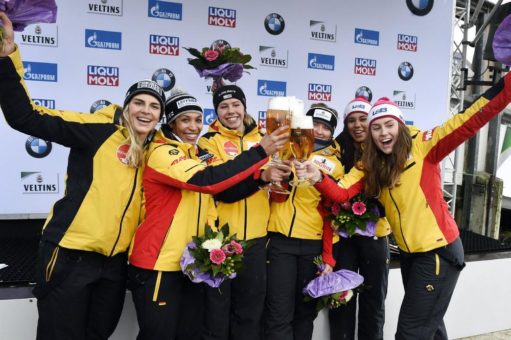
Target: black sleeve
[[240, 191]]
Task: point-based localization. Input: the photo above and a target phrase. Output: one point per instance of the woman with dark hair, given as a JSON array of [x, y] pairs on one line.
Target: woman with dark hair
[[400, 166], [366, 251]]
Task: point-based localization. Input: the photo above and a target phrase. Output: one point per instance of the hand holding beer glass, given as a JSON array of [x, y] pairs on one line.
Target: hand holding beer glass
[[302, 142]]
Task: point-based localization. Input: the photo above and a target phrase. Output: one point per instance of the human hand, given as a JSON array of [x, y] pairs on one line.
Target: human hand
[[307, 170], [277, 172], [275, 141], [326, 270], [7, 45]]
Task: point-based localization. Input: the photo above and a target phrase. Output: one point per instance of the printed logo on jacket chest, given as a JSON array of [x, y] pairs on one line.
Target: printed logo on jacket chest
[[230, 148], [122, 152], [323, 163]]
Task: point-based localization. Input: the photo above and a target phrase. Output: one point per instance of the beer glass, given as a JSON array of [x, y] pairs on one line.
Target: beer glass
[[301, 142]]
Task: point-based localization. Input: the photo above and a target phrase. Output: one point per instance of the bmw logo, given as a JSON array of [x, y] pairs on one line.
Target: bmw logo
[[37, 148], [99, 104], [165, 78], [420, 7], [274, 23], [219, 45], [405, 71], [364, 91]]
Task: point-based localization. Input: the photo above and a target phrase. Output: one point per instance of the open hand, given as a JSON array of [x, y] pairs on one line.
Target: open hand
[[275, 141], [7, 43]]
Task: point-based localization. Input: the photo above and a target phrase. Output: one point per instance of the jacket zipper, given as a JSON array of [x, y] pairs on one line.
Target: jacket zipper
[[124, 212], [245, 201], [294, 212], [198, 215], [399, 215]]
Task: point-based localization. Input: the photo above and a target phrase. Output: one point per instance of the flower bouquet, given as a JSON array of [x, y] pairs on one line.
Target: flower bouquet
[[334, 289], [213, 257], [502, 42], [219, 62], [357, 216]]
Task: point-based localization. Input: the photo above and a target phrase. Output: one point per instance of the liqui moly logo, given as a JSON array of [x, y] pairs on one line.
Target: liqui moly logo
[[49, 103], [165, 10], [320, 92], [407, 42], [39, 71], [271, 88], [162, 44], [102, 75], [224, 17], [261, 121], [365, 66]]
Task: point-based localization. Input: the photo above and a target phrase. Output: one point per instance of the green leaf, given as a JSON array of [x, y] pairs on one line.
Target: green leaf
[[215, 268], [225, 229], [193, 51], [208, 232], [220, 237]]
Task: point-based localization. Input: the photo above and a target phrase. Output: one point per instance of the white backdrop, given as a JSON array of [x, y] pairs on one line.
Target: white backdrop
[[113, 38]]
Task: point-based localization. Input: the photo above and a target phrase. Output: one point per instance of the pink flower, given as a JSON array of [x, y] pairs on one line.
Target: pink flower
[[335, 209], [346, 205], [217, 256], [238, 249], [211, 55], [228, 249], [359, 208], [343, 295]]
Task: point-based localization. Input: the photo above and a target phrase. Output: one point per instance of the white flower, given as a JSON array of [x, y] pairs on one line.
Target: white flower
[[211, 244]]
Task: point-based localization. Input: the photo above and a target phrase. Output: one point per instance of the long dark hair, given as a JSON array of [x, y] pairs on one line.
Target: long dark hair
[[350, 150]]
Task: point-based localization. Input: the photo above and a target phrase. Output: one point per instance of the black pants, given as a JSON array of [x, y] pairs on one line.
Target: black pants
[[290, 268], [429, 280], [370, 257], [79, 294], [235, 309], [168, 305]]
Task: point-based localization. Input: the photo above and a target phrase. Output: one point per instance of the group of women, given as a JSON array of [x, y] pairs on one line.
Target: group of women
[[135, 196]]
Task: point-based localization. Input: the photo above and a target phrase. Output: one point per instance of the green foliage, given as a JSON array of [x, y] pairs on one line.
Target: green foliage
[[226, 55]]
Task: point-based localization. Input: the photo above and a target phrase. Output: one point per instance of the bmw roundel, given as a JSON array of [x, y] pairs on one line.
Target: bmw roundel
[[219, 45], [420, 7], [165, 78], [99, 104], [365, 92], [274, 23], [405, 71], [37, 148]]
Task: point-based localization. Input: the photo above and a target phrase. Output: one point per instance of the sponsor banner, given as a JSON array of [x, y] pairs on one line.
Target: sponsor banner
[[224, 17], [321, 61], [40, 35], [103, 39], [261, 121], [407, 42], [49, 103], [164, 45], [365, 66], [273, 56], [37, 182], [271, 88], [367, 37], [40, 71], [165, 10], [404, 99], [320, 30], [112, 7], [102, 75], [209, 116], [320, 92]]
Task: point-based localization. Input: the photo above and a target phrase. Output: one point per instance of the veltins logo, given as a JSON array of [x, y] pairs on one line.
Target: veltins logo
[[271, 88], [224, 17], [403, 99], [320, 92], [367, 37], [39, 71], [110, 7], [165, 78], [261, 121], [49, 103], [36, 182], [40, 35], [102, 75], [272, 56], [163, 44], [98, 105], [364, 91], [321, 61], [320, 30], [405, 71], [365, 66], [274, 23], [165, 10], [407, 42], [209, 116], [103, 39], [37, 148]]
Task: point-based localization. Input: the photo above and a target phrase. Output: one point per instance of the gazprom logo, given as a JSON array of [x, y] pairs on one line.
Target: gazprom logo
[[165, 10], [103, 39], [367, 37], [163, 44], [49, 103], [39, 71], [365, 66], [407, 42], [321, 61], [102, 75], [320, 92], [209, 116], [224, 17], [271, 88]]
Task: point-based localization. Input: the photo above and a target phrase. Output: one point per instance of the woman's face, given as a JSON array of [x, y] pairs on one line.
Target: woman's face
[[144, 113], [384, 132], [187, 126], [230, 113], [357, 126], [321, 131]]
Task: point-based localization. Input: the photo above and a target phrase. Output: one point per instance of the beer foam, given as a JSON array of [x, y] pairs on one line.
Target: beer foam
[[278, 103], [301, 122], [297, 107]]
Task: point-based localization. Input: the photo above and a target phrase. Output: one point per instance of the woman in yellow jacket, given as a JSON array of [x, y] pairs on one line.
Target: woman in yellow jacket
[[178, 186], [401, 168]]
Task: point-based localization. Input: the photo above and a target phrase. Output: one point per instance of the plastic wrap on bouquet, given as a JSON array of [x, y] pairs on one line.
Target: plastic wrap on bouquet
[[26, 12], [502, 42], [334, 282], [369, 231], [194, 274]]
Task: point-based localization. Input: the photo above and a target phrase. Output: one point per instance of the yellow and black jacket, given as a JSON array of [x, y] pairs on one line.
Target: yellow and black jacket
[[178, 186], [102, 201], [244, 207], [415, 208]]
